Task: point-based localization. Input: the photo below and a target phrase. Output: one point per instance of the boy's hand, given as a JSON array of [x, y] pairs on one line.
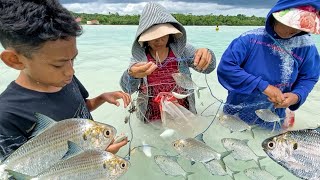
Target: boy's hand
[[112, 97], [274, 94], [114, 148], [202, 59], [142, 69]]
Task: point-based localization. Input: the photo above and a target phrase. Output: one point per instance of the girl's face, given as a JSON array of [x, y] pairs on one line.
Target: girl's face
[[284, 31], [160, 43]]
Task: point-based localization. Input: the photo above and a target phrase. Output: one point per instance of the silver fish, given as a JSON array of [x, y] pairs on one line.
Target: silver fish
[[218, 167], [196, 150], [90, 164], [234, 123], [297, 151], [267, 115], [240, 150], [260, 174], [49, 143], [184, 81], [170, 166]]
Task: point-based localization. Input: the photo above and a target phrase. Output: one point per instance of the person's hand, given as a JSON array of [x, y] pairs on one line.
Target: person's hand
[[202, 59], [112, 97], [114, 148], [142, 69], [274, 94], [289, 99]]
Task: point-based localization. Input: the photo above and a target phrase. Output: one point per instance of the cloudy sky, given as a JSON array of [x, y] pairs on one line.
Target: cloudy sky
[[225, 7]]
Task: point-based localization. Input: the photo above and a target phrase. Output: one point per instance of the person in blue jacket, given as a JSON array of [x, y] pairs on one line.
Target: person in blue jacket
[[274, 67]]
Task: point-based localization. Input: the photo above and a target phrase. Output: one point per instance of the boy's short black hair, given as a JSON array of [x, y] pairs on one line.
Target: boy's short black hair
[[26, 24]]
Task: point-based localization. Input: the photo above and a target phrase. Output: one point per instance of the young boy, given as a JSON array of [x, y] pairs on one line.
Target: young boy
[[39, 37]]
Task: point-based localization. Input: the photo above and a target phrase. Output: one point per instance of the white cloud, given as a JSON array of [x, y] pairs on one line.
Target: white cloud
[[173, 7]]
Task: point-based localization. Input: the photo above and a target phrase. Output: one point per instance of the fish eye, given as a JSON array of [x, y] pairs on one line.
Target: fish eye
[[107, 133], [123, 165], [104, 166], [295, 146], [271, 145], [174, 144]]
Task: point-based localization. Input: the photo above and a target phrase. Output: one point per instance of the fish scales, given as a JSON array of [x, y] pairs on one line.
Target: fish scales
[[49, 146], [297, 151]]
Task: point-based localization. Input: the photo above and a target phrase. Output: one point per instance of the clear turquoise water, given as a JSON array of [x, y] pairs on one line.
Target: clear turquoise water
[[104, 53]]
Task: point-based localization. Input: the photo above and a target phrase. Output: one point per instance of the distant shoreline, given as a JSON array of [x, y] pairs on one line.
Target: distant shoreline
[[185, 19]]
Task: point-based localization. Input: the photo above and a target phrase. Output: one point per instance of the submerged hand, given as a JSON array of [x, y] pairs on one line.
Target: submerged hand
[[142, 69], [112, 97], [274, 94], [202, 59], [114, 148]]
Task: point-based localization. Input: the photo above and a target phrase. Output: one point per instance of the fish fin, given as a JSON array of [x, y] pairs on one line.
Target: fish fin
[[43, 123], [224, 154], [245, 141], [73, 149], [231, 172], [192, 163], [20, 176], [188, 174], [279, 177], [258, 161], [199, 137], [146, 149]]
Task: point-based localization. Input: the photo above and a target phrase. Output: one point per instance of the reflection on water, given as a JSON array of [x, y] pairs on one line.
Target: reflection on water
[[104, 53]]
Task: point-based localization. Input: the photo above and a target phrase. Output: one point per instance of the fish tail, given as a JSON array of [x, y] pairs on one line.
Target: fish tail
[[232, 172], [19, 176], [224, 154], [258, 161], [188, 174]]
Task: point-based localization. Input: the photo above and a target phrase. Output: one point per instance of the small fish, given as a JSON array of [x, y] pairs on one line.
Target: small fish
[[268, 116], [218, 167], [167, 133], [240, 150], [196, 150], [180, 96], [184, 81], [261, 174], [90, 164], [297, 151], [146, 149], [170, 166], [234, 123], [49, 143]]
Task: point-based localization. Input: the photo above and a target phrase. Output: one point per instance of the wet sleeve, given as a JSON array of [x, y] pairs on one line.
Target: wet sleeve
[[308, 76], [231, 75], [11, 138], [128, 83]]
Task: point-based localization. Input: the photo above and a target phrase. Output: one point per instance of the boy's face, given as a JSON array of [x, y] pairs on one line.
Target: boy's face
[[51, 67]]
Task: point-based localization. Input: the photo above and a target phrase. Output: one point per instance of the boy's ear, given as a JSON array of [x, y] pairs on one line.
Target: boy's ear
[[11, 59]]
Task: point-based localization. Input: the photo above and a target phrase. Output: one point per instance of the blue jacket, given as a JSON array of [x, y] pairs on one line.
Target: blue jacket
[[259, 58]]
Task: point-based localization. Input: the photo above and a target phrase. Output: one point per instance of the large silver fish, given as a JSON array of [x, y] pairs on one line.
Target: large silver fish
[[196, 150], [234, 123], [90, 164], [170, 166], [297, 151], [49, 143], [184, 81], [240, 150], [260, 174]]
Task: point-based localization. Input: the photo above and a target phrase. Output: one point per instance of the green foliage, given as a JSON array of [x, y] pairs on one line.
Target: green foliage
[[185, 19]]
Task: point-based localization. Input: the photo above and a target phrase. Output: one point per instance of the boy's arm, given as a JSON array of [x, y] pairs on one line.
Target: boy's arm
[[110, 97]]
